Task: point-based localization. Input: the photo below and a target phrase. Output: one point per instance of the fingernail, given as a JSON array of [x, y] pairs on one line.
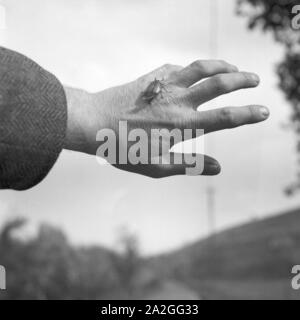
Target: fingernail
[[255, 77], [264, 112]]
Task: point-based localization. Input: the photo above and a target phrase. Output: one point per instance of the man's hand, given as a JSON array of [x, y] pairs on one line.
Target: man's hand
[[175, 107]]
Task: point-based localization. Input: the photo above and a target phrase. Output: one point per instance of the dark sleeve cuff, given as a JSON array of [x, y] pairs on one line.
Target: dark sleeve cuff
[[33, 121]]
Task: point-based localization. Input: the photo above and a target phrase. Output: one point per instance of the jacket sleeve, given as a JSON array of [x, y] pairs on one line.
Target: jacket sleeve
[[33, 120]]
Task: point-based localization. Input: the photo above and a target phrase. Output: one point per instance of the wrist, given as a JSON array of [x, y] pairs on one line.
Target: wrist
[[80, 135]]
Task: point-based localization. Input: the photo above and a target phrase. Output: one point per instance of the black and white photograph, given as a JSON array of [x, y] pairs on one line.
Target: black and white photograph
[[149, 151]]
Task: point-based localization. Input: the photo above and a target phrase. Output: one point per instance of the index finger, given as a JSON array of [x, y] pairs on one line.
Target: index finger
[[199, 70], [221, 84]]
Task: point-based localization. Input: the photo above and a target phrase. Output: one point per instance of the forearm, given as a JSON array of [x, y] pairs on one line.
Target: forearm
[[33, 119]]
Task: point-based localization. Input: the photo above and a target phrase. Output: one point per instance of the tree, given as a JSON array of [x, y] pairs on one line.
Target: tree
[[128, 263], [47, 266], [276, 16]]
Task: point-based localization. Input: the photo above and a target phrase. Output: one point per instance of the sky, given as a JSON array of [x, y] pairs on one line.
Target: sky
[[96, 44]]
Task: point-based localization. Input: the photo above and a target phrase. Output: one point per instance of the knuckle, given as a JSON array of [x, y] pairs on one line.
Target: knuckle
[[174, 72], [220, 84], [198, 65], [228, 117], [167, 66], [225, 65], [176, 68], [252, 113], [223, 62]]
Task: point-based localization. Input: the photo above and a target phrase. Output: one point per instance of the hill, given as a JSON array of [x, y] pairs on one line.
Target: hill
[[253, 261]]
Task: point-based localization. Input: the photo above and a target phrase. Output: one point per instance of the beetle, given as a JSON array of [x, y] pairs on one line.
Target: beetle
[[155, 88]]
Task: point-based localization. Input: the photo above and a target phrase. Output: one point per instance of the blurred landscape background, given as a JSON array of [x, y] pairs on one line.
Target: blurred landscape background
[[91, 232], [249, 262]]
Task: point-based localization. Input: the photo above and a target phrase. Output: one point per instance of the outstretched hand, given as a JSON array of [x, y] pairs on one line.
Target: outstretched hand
[[171, 104]]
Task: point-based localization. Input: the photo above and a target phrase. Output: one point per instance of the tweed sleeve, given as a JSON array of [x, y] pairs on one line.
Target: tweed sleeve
[[33, 121]]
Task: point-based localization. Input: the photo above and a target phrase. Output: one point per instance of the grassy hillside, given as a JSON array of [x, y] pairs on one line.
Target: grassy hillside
[[253, 261]]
